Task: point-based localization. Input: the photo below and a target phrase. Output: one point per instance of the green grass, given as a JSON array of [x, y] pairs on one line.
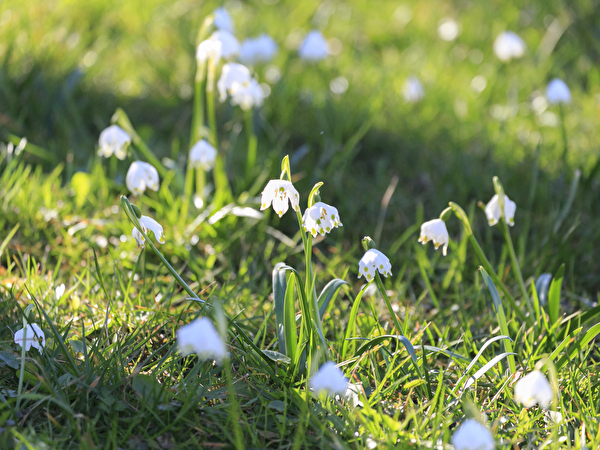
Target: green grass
[[111, 377]]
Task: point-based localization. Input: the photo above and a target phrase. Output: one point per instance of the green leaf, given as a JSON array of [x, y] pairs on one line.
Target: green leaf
[[554, 295], [485, 368], [277, 405], [9, 359], [277, 357], [580, 344], [147, 387], [8, 238], [380, 339], [82, 185], [279, 288], [328, 293], [352, 320]]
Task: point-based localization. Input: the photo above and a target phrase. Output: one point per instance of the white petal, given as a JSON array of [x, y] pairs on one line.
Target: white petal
[[203, 155], [32, 339], [329, 379], [140, 176], [148, 223], [471, 435], [314, 47], [202, 338]]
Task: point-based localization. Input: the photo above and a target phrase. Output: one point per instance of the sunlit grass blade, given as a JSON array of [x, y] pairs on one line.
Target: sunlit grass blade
[[554, 295]]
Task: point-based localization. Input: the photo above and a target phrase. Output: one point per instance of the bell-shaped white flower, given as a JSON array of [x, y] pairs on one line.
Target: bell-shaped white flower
[[113, 141], [279, 193], [202, 338], [509, 45], [148, 224], [412, 90], [314, 47], [352, 394], [223, 20], [320, 218], [471, 435], [141, 176], [35, 337], [532, 389], [258, 50], [493, 213], [208, 49], [329, 379], [247, 96], [59, 291], [557, 91], [230, 46], [233, 74], [435, 230], [374, 260], [203, 155]]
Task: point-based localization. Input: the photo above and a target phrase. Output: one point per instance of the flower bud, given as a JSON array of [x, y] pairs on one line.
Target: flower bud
[[136, 210], [368, 243], [445, 215]]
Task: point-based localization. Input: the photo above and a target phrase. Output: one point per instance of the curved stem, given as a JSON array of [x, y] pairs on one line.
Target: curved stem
[[515, 266]]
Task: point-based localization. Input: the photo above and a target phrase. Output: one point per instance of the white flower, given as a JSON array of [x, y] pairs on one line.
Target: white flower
[[352, 394], [59, 291], [148, 223], [534, 388], [314, 47], [230, 47], [435, 230], [223, 20], [374, 260], [202, 338], [320, 218], [278, 192], [471, 435], [329, 379], [232, 74], [113, 140], [248, 95], [509, 45], [140, 176], [493, 213], [412, 90], [203, 155], [258, 50], [33, 337], [208, 49], [557, 91]]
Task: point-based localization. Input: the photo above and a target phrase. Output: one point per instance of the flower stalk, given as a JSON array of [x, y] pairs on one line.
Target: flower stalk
[[252, 143]]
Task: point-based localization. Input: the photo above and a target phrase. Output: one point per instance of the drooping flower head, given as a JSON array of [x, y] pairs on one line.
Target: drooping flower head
[[248, 95], [509, 45], [435, 230], [203, 155], [113, 141], [373, 260], [223, 20], [493, 213], [329, 379], [148, 224], [208, 49], [314, 47], [35, 337], [232, 74], [202, 338], [258, 50], [471, 435], [141, 176], [320, 218], [557, 91], [279, 193], [412, 90], [532, 389], [230, 47]]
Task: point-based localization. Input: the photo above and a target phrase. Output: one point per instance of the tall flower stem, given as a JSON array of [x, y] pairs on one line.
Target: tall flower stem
[[200, 182], [187, 194], [233, 407], [22, 371], [198, 114], [210, 101], [252, 144], [563, 130], [387, 302], [516, 268]]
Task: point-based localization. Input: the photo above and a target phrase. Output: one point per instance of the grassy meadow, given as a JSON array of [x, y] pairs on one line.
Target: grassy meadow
[[441, 340]]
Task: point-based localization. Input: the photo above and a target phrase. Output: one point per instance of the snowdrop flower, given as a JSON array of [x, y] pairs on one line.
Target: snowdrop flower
[[471, 435], [230, 47], [435, 230], [202, 338], [320, 218], [140, 176], [223, 20], [248, 95], [34, 335], [329, 379], [148, 223], [493, 213], [257, 50], [233, 74], [533, 389], [59, 291], [113, 140], [203, 155], [314, 47], [413, 91], [374, 260], [278, 192], [557, 91], [208, 49], [352, 394], [509, 45]]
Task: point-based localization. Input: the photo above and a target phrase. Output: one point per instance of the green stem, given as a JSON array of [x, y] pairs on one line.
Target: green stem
[[22, 372], [210, 101], [233, 408], [187, 193], [200, 183], [198, 115], [388, 303], [515, 266], [252, 143], [563, 129]]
